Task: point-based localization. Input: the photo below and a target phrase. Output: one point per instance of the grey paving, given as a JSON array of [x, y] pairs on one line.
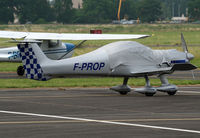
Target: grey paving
[[180, 111]]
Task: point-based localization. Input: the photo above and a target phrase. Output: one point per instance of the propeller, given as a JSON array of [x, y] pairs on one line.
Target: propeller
[[189, 56]]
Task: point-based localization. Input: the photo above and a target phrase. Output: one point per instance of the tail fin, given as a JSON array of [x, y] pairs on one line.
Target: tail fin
[[32, 58]]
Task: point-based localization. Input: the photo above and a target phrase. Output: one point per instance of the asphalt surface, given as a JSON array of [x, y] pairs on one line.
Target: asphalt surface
[[189, 75], [72, 113]]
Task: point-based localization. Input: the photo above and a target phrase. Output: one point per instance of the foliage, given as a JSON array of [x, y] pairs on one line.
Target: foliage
[[95, 11], [6, 11], [32, 11], [194, 9], [98, 11], [64, 11], [129, 9], [149, 10]]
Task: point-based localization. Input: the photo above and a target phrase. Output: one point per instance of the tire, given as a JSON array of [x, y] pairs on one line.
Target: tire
[[20, 71], [149, 94], [123, 93], [171, 93]]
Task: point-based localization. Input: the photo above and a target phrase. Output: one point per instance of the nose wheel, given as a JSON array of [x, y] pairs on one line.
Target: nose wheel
[[20, 71], [171, 93]]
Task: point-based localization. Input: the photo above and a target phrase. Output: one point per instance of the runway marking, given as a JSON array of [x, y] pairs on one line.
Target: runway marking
[[77, 121], [101, 121], [195, 92]]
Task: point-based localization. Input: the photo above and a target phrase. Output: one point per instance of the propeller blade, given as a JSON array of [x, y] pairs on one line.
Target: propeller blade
[[184, 45]]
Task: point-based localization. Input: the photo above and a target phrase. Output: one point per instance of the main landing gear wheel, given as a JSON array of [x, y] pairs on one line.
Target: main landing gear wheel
[[20, 71], [149, 94], [171, 93], [123, 93], [123, 89]]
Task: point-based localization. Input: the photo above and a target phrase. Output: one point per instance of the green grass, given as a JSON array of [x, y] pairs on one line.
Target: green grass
[[9, 67], [85, 82]]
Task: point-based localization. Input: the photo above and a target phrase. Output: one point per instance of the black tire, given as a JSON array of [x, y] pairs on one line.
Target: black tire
[[123, 93], [149, 94], [171, 93], [20, 71]]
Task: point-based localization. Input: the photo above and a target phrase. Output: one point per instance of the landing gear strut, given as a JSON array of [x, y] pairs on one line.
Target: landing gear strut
[[20, 71], [122, 89]]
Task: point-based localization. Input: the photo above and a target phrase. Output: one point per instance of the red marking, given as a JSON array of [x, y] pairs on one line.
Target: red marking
[[96, 31]]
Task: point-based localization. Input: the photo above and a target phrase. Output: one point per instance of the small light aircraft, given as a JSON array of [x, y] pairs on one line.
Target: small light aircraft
[[118, 59], [53, 49]]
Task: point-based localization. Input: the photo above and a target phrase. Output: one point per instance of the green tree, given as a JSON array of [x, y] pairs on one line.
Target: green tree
[[64, 11], [128, 9], [194, 9], [98, 11], [34, 11], [149, 10], [6, 11]]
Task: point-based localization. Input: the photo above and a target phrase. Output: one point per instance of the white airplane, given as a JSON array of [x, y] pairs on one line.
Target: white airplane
[[119, 59], [52, 46]]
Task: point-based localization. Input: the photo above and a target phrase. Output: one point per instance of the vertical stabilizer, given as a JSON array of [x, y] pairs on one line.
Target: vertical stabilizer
[[32, 58]]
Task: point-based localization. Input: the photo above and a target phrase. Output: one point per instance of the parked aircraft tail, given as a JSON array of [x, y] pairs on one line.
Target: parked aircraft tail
[[32, 59]]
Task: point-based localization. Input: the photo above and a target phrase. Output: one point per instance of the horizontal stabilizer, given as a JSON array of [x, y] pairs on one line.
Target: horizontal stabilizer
[[183, 67]]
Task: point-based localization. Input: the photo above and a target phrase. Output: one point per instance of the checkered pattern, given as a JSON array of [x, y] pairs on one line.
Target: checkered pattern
[[33, 70]]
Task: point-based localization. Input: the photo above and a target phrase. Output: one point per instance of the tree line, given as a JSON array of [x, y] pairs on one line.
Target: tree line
[[95, 11]]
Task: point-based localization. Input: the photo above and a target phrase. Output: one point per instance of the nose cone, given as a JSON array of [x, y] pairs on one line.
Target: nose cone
[[190, 56]]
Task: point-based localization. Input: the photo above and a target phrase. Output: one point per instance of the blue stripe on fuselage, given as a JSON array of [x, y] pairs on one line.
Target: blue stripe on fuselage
[[178, 61]]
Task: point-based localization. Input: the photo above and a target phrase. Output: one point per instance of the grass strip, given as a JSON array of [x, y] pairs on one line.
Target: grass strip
[[85, 82]]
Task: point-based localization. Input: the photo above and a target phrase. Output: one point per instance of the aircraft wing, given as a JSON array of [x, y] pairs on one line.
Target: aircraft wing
[[66, 36], [151, 71]]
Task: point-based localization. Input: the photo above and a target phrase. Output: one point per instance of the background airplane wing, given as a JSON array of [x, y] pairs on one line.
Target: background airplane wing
[[12, 34], [66, 36]]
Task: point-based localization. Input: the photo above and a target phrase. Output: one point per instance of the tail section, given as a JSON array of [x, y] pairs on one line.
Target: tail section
[[32, 58]]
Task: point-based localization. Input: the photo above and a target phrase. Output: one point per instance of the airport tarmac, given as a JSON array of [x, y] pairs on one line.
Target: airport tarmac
[[97, 113]]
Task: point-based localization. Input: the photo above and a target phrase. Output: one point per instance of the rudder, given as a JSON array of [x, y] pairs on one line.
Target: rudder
[[31, 64]]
